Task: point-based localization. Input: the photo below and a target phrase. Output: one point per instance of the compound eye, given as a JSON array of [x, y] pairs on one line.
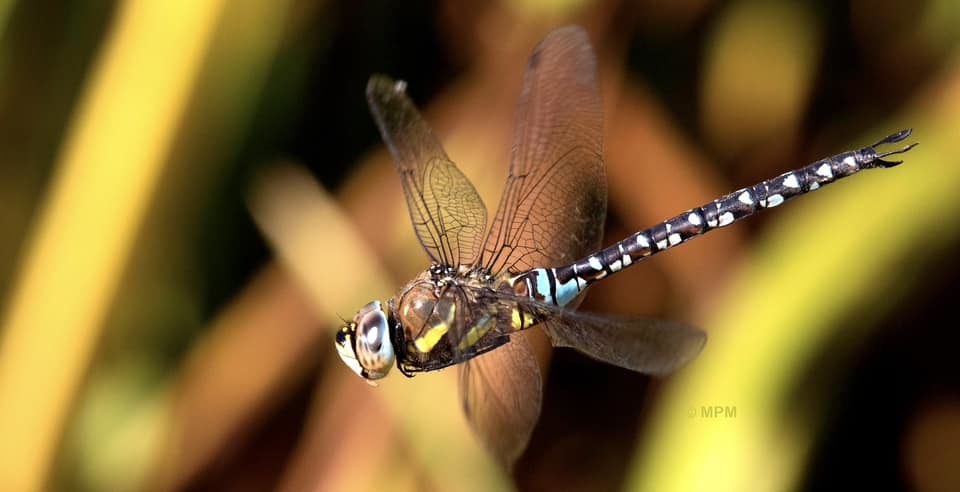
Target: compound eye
[[374, 348]]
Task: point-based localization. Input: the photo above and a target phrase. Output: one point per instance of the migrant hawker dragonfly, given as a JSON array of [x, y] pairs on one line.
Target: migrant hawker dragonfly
[[540, 252]]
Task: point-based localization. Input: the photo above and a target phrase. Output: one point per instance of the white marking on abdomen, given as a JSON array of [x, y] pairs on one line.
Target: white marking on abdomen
[[825, 171], [581, 283], [791, 181], [774, 200], [726, 219]]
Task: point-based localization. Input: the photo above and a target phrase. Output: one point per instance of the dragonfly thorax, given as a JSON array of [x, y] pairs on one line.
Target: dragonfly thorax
[[425, 313], [443, 316]]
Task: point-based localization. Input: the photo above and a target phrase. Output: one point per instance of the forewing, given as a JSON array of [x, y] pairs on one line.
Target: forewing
[[554, 203], [447, 213], [501, 392]]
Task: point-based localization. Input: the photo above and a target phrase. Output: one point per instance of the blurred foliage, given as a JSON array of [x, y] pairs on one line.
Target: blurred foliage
[[194, 193]]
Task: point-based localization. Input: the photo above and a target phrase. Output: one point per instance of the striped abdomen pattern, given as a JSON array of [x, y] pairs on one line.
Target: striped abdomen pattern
[[562, 284]]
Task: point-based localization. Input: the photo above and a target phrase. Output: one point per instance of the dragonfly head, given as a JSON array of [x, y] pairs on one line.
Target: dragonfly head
[[364, 344]]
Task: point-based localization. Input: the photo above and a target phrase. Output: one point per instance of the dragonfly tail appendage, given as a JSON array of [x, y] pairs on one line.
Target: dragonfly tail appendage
[[894, 138]]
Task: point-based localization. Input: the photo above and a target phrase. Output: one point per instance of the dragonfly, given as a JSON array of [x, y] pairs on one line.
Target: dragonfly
[[487, 287]]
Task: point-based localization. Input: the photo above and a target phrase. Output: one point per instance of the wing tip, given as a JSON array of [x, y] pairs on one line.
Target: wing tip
[[570, 43], [382, 88], [572, 31]]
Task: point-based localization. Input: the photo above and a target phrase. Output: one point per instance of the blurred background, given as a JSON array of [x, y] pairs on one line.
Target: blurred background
[[194, 193]]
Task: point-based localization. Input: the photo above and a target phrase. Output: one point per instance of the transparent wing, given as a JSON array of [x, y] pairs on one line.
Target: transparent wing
[[552, 212], [554, 203], [651, 346], [475, 307], [648, 345], [501, 392], [447, 213]]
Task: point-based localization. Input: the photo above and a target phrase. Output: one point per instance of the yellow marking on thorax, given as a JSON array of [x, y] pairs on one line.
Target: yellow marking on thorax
[[476, 332], [443, 314], [520, 319], [428, 340]]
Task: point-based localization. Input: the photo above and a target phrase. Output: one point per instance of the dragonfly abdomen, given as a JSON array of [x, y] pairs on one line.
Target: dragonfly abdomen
[[561, 285]]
